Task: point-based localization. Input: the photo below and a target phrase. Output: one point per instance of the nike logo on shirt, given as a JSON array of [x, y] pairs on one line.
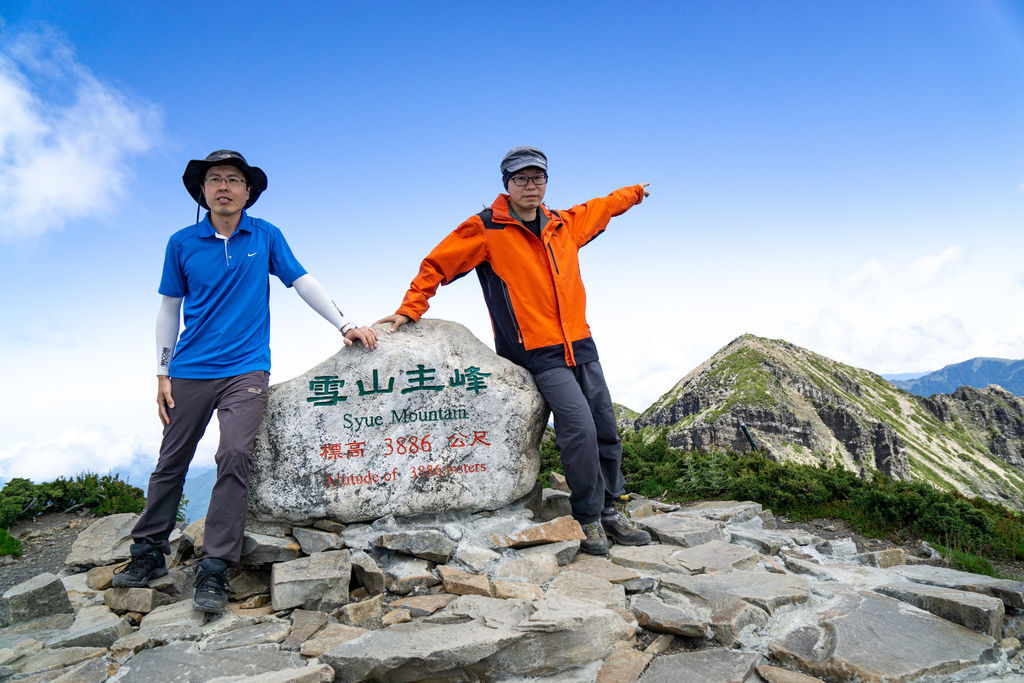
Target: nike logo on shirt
[[254, 253]]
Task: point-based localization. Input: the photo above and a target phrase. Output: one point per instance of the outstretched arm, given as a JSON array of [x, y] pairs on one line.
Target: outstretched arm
[[457, 254], [315, 296], [167, 320], [588, 220]]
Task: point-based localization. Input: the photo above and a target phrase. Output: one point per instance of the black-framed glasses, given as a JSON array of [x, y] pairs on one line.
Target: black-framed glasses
[[523, 181], [233, 181]]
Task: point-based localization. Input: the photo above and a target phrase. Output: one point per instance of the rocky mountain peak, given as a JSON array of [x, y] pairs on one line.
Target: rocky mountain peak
[[799, 405]]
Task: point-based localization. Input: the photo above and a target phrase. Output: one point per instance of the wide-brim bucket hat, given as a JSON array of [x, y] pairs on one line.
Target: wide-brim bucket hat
[[195, 174]]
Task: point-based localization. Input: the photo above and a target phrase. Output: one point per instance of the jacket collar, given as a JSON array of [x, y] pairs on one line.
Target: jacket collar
[[502, 212], [206, 227]]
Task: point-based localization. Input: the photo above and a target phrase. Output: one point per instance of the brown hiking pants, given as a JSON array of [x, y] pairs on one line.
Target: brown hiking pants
[[239, 402]]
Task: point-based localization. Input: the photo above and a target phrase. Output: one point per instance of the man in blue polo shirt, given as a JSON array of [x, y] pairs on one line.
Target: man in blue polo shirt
[[217, 275]]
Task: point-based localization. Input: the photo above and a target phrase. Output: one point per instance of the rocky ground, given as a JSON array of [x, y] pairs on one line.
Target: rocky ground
[[728, 593]]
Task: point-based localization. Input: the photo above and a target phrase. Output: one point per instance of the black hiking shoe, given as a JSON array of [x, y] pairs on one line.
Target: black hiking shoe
[[596, 543], [211, 586], [138, 571], [620, 528]]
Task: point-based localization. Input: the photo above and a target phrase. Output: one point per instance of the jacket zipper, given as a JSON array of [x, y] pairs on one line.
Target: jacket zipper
[[553, 259], [511, 312], [570, 358]]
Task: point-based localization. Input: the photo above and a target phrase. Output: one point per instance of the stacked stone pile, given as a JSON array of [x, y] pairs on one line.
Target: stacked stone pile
[[722, 595]]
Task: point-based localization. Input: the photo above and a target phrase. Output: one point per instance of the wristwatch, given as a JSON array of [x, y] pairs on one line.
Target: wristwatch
[[346, 327]]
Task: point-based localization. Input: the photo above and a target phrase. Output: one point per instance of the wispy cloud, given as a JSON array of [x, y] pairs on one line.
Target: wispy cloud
[[65, 136], [99, 449]]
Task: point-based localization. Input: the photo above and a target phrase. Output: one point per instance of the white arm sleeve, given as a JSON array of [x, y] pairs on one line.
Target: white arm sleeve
[[314, 294], [167, 319]]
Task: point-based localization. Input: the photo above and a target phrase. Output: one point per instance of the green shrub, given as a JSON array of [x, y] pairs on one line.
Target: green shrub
[[104, 495], [9, 545], [974, 528]]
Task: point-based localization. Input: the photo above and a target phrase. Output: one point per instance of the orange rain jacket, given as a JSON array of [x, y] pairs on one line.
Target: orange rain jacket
[[532, 287]]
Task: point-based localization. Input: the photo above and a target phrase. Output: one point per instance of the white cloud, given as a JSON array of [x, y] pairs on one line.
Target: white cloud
[[65, 136], [97, 449]]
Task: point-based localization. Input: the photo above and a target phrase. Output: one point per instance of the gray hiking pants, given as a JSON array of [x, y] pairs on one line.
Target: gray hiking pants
[[587, 437], [239, 402]]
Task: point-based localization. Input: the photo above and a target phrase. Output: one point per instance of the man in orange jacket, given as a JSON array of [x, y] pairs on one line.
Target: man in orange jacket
[[526, 257]]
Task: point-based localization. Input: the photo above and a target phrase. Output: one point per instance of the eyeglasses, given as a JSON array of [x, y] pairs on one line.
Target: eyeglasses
[[233, 181], [523, 181]]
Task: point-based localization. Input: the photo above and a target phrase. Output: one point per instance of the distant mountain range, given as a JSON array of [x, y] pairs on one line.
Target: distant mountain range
[[976, 372], [801, 406]]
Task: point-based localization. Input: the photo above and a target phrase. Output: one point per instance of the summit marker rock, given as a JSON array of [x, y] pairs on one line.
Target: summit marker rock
[[430, 421]]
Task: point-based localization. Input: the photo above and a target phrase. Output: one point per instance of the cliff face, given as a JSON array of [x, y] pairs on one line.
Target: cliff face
[[992, 417], [799, 405]]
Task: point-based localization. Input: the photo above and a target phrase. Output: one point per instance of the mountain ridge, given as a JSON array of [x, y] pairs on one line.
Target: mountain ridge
[[977, 372], [801, 406]]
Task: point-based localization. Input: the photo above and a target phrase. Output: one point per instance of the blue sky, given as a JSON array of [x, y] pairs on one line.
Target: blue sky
[[846, 176]]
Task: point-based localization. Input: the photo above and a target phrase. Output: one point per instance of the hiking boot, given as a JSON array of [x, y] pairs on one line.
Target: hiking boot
[[596, 543], [137, 572], [620, 528], [211, 586]]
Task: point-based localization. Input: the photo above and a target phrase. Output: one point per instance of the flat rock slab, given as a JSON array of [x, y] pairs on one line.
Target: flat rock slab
[[51, 659], [656, 615], [717, 556], [431, 420], [424, 605], [141, 600], [776, 674], [602, 569], [40, 596], [682, 529], [105, 541], [405, 574], [537, 569], [417, 649], [1009, 591], [94, 626], [41, 629], [258, 549], [316, 540], [316, 582], [981, 613], [561, 635], [769, 541], [853, 575], [723, 510], [305, 624], [554, 531], [763, 589], [655, 557], [866, 636], [183, 662], [313, 672], [719, 665], [564, 551], [624, 666], [330, 636], [427, 544], [582, 586], [246, 635]]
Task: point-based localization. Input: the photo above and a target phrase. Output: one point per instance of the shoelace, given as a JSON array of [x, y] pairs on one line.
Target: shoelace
[[146, 562], [205, 578], [593, 530], [624, 518]]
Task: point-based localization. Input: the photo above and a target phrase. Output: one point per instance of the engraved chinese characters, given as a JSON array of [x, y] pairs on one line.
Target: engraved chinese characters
[[431, 420]]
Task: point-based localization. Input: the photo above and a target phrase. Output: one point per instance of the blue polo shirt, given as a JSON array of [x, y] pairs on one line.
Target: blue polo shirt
[[225, 285]]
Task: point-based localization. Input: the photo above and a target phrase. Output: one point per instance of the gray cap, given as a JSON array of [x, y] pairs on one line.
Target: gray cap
[[520, 157]]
